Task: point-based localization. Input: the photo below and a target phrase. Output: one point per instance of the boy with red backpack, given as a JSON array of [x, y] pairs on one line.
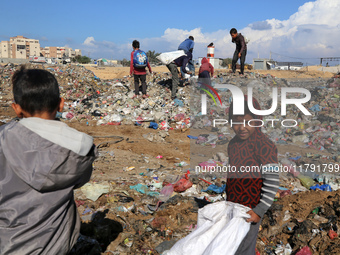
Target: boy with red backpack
[[139, 61]]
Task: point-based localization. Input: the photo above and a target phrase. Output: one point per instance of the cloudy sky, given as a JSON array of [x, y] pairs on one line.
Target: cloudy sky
[[294, 30]]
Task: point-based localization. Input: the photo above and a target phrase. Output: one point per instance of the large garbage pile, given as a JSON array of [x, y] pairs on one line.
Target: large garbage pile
[[303, 221], [147, 211], [320, 130], [109, 102]]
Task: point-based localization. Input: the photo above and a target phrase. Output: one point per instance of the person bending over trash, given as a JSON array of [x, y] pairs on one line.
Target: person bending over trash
[[188, 46], [251, 149], [41, 160], [138, 63], [178, 62]]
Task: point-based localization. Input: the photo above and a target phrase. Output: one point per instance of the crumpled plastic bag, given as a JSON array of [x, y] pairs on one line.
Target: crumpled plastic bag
[[215, 188], [164, 125], [183, 184], [144, 190], [304, 251], [94, 190], [140, 188], [167, 57], [324, 187], [221, 227], [306, 181]]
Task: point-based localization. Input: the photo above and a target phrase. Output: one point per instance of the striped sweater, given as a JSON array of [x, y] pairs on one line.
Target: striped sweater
[[254, 179]]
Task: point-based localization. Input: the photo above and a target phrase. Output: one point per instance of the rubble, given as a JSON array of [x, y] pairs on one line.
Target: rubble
[[153, 200]]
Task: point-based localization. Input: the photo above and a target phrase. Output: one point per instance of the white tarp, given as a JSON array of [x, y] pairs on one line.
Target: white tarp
[[167, 57], [221, 227]]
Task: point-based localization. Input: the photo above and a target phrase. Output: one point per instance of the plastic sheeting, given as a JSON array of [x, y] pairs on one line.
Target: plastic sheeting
[[221, 227], [167, 57]]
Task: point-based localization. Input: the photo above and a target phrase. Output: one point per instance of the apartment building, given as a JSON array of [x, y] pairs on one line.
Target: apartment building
[[22, 47], [5, 49], [60, 52], [19, 47]]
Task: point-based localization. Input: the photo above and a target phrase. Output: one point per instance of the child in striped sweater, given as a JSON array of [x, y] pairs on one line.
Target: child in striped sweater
[[256, 179]]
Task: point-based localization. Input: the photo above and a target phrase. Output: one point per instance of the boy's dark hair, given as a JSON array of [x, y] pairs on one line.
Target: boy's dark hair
[[35, 90], [233, 31], [246, 109], [135, 44], [191, 37]]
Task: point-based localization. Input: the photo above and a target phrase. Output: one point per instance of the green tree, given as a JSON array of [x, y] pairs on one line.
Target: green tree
[[152, 57], [125, 62], [81, 59], [226, 62]]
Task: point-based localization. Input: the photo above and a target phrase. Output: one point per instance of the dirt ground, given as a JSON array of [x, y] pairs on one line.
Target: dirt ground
[[304, 73]]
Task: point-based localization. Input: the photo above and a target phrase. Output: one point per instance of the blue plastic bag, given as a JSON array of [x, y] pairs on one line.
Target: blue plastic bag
[[153, 125], [215, 188], [324, 187], [178, 102], [192, 137]]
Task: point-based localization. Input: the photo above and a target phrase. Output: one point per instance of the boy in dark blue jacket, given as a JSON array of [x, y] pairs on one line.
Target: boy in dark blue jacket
[[178, 62]]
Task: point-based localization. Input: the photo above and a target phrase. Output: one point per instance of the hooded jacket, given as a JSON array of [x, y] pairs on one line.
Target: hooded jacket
[[37, 177], [206, 66]]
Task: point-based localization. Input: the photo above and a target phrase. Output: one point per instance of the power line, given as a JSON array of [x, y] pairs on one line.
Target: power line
[[291, 57]]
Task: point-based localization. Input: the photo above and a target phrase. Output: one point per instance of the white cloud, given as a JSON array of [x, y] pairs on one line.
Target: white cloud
[[89, 41], [313, 31]]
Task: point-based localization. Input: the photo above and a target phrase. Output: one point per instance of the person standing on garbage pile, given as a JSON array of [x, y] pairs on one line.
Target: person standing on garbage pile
[[139, 62], [240, 51], [255, 180], [178, 62], [205, 70], [41, 160], [188, 46]]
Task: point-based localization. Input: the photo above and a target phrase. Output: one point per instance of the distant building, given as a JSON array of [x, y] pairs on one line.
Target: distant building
[[19, 47], [60, 52], [53, 52], [262, 63], [77, 52], [288, 65], [5, 49], [267, 64]]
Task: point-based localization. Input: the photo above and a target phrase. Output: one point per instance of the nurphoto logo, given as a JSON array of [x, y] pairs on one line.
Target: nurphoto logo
[[238, 104]]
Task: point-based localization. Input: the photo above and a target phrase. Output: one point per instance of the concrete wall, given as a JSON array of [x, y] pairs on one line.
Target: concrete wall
[[215, 62], [260, 63]]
